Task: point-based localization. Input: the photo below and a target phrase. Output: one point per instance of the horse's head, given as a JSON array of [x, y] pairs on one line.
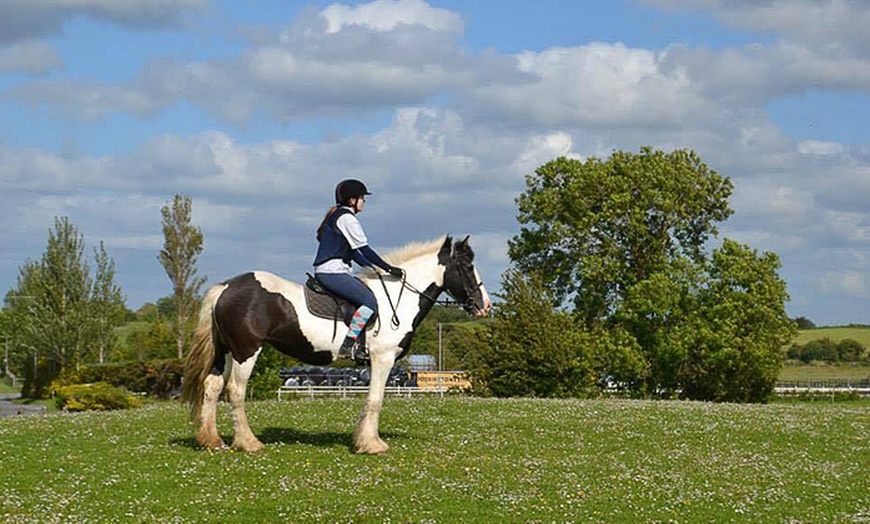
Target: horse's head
[[461, 279]]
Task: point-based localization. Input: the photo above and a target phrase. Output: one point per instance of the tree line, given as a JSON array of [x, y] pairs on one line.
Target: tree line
[[614, 276], [61, 314]]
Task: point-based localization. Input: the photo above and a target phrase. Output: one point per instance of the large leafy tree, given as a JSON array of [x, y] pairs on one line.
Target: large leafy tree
[[598, 227], [624, 241], [182, 246], [732, 344]]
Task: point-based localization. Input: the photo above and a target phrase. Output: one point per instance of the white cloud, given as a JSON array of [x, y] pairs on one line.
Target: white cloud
[[846, 282], [543, 148], [36, 170], [758, 199], [597, 85], [820, 148], [386, 15], [834, 23], [465, 128], [850, 226]]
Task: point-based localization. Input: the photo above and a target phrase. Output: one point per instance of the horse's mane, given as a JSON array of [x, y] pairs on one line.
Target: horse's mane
[[406, 253]]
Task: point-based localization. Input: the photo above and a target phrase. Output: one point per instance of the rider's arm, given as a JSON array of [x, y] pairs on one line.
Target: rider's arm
[[361, 253], [370, 257]]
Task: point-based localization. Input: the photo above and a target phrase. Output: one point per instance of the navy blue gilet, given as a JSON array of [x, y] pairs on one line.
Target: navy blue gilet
[[332, 241]]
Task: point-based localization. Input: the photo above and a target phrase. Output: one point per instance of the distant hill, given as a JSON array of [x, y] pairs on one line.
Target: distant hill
[[859, 333]]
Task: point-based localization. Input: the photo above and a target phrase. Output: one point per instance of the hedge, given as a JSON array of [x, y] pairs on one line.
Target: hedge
[[93, 397]]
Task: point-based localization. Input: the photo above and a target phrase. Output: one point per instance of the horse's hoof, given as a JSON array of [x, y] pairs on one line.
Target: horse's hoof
[[250, 446], [372, 447], [211, 443]]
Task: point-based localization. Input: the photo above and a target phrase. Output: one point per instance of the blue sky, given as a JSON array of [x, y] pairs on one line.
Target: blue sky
[[256, 109]]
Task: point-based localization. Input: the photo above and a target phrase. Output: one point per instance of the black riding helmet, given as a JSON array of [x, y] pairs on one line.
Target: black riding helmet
[[350, 188]]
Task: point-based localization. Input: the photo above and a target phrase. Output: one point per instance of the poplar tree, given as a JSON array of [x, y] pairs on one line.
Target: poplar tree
[[58, 314], [107, 303], [182, 246]]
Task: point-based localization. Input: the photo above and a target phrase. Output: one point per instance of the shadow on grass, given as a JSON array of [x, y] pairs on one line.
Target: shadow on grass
[[292, 436]]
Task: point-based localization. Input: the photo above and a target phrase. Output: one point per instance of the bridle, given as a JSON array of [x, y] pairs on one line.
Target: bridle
[[468, 305]]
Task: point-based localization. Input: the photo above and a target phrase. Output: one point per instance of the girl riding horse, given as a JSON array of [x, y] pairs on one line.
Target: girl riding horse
[[342, 239], [239, 316]]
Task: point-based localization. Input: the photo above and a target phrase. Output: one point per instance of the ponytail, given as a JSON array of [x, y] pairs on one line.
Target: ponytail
[[323, 223]]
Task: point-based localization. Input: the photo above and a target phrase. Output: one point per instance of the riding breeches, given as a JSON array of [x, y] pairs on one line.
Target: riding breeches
[[352, 290]]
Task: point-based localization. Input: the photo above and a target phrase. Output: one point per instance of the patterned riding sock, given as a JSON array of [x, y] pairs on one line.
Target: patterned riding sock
[[360, 317]]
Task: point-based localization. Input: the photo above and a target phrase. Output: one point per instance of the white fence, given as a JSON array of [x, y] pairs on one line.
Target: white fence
[[345, 391], [862, 391]]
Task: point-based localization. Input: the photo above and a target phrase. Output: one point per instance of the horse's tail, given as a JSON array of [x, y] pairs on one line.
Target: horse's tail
[[201, 357]]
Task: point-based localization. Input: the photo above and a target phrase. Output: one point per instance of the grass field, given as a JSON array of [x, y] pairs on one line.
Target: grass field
[[861, 334], [451, 460], [5, 386], [823, 372], [843, 372]]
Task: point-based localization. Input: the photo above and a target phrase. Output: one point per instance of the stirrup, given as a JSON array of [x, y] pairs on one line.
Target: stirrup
[[347, 350], [360, 354]]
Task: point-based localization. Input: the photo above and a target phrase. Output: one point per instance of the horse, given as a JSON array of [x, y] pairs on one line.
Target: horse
[[238, 316]]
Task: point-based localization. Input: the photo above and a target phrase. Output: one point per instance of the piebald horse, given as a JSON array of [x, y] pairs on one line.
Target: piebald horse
[[241, 314]]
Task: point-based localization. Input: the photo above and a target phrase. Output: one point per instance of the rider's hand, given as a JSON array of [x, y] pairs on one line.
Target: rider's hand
[[396, 272]]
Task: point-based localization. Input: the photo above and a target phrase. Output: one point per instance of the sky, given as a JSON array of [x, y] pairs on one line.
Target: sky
[[256, 109]]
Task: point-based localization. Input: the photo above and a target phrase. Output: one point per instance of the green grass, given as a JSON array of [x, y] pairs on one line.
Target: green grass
[[824, 372], [451, 460], [6, 387], [861, 334]]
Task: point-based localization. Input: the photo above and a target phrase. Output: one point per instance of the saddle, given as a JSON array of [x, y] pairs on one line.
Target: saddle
[[324, 304]]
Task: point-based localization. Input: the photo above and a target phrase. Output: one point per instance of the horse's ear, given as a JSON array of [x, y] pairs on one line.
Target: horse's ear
[[444, 252], [463, 247]]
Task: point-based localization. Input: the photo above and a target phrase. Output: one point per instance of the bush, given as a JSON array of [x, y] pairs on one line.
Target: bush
[[128, 375], [159, 378], [164, 377], [94, 397], [826, 350], [266, 377], [850, 350], [532, 349]]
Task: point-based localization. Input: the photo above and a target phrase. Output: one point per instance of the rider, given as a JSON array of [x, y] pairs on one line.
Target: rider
[[341, 240]]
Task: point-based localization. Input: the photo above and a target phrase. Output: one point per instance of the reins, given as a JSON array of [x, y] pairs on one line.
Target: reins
[[394, 321]]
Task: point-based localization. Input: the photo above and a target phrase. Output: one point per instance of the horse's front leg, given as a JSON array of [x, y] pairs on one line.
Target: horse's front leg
[[243, 439], [366, 439]]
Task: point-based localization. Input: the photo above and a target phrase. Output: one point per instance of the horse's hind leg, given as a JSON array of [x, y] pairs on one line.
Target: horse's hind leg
[[243, 439], [207, 436]]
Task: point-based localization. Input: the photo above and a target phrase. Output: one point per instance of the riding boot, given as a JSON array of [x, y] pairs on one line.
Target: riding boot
[[347, 348], [360, 351]]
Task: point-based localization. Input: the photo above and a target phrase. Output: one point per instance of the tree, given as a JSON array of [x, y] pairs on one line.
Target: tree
[[625, 242], [182, 246], [531, 348], [733, 344], [156, 341], [107, 302], [597, 228], [850, 350], [57, 313], [456, 332], [804, 323]]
